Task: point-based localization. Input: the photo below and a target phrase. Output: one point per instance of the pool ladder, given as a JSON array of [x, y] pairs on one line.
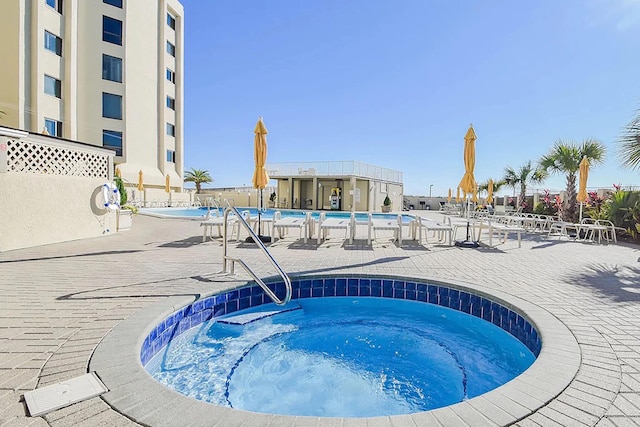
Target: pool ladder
[[225, 258]]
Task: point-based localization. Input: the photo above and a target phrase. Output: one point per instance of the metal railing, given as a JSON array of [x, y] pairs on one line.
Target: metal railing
[[226, 257]]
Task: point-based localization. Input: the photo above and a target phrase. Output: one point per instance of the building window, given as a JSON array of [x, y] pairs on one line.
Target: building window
[[52, 86], [53, 127], [111, 30], [56, 5], [53, 43], [112, 139], [111, 106], [171, 76], [171, 21], [116, 3], [171, 156], [171, 129], [171, 49], [171, 103], [112, 68]]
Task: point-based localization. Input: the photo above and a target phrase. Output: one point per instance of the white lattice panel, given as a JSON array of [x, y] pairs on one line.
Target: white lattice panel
[[30, 157]]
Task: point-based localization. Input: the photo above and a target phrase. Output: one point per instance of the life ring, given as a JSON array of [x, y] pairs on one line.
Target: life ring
[[111, 196]]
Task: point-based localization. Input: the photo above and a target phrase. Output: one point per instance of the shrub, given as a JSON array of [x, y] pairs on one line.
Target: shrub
[[131, 208], [547, 206], [623, 210], [272, 197], [387, 201], [121, 189]]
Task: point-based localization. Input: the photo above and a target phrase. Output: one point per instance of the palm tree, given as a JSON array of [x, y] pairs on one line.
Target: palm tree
[[629, 151], [565, 157], [197, 176], [525, 175]]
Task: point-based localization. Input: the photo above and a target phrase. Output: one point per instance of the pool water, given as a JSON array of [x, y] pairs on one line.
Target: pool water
[[341, 357], [201, 212]]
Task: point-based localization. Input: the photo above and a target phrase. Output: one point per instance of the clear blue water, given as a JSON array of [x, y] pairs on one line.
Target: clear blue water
[[197, 213], [342, 357]]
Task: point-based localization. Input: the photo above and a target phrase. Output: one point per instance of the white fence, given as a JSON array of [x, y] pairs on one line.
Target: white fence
[[51, 190]]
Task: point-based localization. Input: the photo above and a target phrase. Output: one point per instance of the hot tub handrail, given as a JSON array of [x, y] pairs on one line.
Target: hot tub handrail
[[226, 257]]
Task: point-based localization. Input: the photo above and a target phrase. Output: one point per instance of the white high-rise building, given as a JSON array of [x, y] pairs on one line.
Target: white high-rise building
[[104, 72]]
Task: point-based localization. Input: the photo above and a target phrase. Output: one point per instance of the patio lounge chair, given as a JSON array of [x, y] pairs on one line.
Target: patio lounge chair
[[394, 225], [215, 219], [429, 225], [501, 229], [563, 228], [590, 227], [346, 224], [304, 224], [609, 234]]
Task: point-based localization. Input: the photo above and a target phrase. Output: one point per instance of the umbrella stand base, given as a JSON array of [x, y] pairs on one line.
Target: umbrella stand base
[[467, 244], [263, 239]]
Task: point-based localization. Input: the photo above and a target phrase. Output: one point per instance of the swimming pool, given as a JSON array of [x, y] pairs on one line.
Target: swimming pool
[[198, 213], [119, 357]]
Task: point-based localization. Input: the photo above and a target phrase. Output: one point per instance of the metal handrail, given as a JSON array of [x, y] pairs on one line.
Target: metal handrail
[[225, 258]]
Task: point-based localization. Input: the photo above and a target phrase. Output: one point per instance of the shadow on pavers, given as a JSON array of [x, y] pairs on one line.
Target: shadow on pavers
[[614, 282]]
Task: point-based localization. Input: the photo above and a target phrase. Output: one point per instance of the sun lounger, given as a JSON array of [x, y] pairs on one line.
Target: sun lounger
[[216, 220], [501, 229], [458, 223], [563, 228], [421, 223], [609, 234], [394, 225], [327, 224], [304, 224]]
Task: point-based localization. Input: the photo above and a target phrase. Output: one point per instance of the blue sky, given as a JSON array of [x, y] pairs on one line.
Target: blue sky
[[397, 83]]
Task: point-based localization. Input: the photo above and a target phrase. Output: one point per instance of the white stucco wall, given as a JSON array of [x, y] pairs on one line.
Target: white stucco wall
[[58, 208]]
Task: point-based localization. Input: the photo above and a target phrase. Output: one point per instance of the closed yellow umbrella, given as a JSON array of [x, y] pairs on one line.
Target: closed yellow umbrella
[[118, 173], [449, 196], [260, 176], [468, 182], [458, 195], [490, 191], [167, 184], [140, 181], [475, 195], [584, 175]]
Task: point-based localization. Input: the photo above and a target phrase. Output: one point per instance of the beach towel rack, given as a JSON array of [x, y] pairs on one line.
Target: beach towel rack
[[263, 248]]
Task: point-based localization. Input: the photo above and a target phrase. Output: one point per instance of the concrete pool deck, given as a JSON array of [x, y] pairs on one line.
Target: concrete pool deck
[[59, 301]]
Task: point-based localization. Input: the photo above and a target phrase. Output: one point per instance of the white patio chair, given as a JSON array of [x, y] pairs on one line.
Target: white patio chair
[[303, 224], [326, 224], [458, 223], [215, 219], [590, 227], [421, 223], [609, 234], [500, 229], [394, 225]]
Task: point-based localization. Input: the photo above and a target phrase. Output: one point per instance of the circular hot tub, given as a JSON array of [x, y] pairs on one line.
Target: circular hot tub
[[346, 346]]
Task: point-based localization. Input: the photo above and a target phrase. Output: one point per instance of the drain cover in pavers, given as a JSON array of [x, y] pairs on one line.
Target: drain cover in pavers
[[56, 396]]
